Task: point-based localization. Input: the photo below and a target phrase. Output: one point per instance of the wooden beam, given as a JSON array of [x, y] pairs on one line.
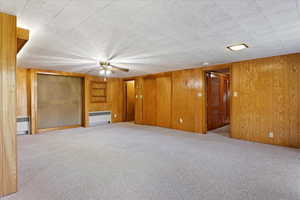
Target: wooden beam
[[8, 154], [22, 38]]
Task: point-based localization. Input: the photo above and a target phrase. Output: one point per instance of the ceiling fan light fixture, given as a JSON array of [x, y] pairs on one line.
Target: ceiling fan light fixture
[[102, 72], [108, 72]]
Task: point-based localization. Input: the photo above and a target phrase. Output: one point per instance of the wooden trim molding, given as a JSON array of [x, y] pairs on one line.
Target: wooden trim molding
[[22, 38], [57, 128]]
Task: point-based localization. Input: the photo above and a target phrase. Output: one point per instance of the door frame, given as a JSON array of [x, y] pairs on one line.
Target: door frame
[[208, 69], [125, 97]]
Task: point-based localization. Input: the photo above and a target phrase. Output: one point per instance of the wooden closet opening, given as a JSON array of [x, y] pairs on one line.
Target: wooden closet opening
[[129, 103], [218, 101]]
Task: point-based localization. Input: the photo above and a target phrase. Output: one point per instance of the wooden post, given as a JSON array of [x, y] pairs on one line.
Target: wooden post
[[8, 154]]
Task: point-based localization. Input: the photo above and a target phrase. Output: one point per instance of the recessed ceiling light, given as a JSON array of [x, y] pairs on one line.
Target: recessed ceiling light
[[238, 47]]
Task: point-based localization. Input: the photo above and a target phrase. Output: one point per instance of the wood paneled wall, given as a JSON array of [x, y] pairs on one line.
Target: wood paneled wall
[[267, 100], [150, 108], [187, 100], [8, 154], [116, 99], [164, 101], [139, 93], [22, 92], [172, 100], [26, 97]]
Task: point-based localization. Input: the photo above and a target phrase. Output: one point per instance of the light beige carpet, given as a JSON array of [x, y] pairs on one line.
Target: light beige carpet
[[130, 162]]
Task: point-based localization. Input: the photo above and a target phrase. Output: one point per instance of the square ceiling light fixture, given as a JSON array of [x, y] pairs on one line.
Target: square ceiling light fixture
[[238, 47]]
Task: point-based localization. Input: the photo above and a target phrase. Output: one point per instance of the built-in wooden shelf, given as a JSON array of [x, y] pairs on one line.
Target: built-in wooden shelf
[[98, 92]]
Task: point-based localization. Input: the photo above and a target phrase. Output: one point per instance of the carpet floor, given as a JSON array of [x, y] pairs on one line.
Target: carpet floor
[[132, 162]]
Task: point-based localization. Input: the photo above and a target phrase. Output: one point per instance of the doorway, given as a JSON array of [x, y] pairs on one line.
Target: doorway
[[129, 87], [218, 101]]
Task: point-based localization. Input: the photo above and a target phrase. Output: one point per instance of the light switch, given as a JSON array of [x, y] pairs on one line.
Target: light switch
[[199, 94], [115, 115], [180, 120], [271, 135], [136, 96]]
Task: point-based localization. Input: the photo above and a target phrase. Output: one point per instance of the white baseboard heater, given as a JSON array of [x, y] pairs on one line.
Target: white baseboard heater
[[99, 118], [23, 125]]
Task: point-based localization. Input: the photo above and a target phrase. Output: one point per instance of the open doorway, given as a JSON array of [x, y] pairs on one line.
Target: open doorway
[[129, 87], [218, 101]]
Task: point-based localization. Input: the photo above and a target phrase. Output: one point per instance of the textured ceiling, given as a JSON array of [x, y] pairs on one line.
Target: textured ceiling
[[150, 36]]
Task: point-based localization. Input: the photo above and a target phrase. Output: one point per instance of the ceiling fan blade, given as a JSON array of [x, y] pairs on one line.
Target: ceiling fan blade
[[120, 68], [112, 56]]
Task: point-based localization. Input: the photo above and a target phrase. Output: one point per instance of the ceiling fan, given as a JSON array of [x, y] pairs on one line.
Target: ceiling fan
[[105, 68]]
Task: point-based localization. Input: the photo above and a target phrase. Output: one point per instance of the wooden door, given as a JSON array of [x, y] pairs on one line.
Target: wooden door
[[164, 91], [149, 101], [217, 100], [130, 100]]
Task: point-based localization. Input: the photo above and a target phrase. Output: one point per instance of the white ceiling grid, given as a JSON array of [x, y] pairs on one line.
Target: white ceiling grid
[[150, 36]]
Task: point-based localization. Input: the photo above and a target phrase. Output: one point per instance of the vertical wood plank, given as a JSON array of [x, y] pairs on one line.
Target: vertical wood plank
[[149, 108], [8, 50], [163, 99]]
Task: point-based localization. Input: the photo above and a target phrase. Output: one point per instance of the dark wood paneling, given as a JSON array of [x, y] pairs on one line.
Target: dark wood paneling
[[217, 100]]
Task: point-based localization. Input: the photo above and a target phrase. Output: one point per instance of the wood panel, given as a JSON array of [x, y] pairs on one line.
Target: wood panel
[[116, 98], [130, 100], [149, 101], [267, 100], [22, 38], [187, 100], [164, 101], [22, 92], [139, 90], [8, 154]]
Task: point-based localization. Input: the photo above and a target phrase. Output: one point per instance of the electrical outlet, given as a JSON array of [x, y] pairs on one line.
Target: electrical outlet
[[199, 94], [271, 135], [115, 115], [235, 94], [136, 96]]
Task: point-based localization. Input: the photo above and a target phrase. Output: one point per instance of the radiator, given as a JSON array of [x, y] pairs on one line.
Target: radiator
[[100, 117], [23, 126]]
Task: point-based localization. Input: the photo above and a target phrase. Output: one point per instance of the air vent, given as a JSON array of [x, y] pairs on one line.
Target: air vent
[[23, 125], [99, 118]]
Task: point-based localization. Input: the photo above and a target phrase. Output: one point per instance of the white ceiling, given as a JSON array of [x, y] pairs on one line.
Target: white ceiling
[[150, 36]]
